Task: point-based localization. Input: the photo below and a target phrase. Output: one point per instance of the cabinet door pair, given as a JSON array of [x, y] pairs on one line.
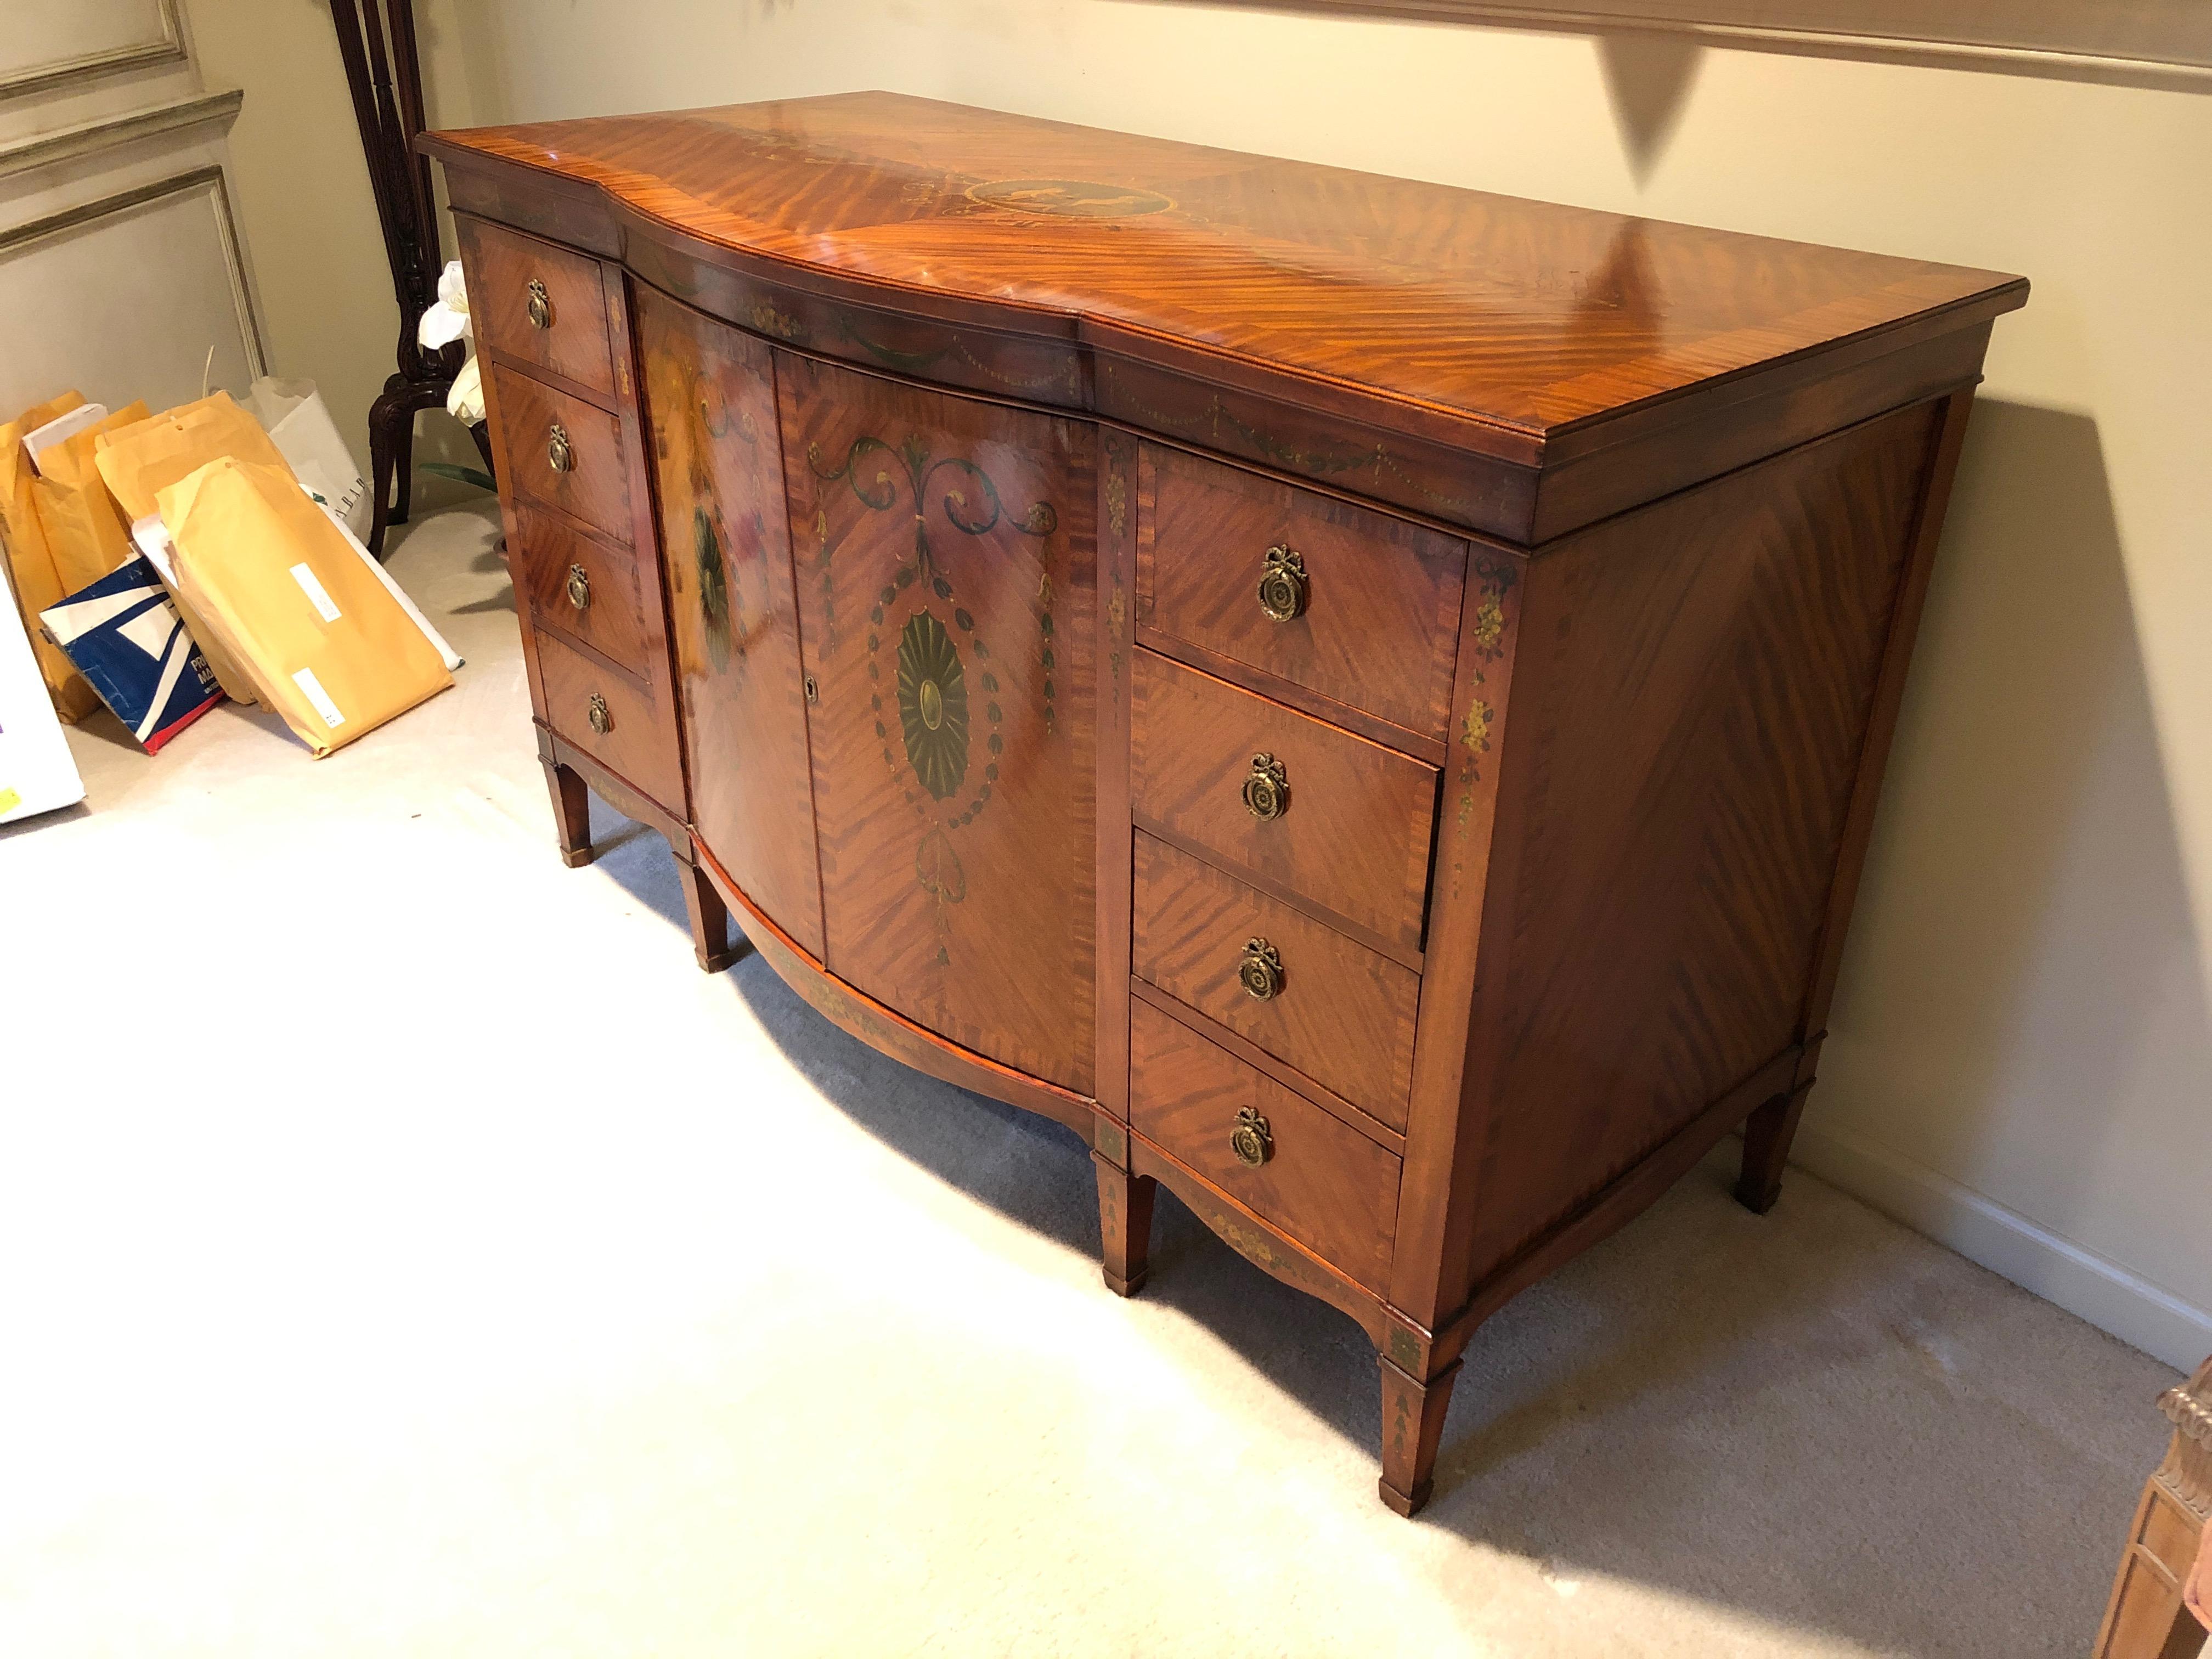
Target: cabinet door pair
[[882, 603]]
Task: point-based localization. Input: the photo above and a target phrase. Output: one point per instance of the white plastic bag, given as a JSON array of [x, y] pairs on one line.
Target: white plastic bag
[[298, 423]]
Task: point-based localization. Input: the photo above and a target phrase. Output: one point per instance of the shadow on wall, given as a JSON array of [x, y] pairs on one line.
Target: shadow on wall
[[2022, 1001], [1648, 79], [465, 75]]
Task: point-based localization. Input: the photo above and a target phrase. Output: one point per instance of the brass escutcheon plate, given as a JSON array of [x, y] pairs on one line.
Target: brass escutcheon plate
[[1259, 969], [1283, 585], [1267, 789], [1250, 1139]]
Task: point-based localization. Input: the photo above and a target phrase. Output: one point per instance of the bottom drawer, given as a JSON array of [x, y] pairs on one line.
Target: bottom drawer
[[635, 745], [1324, 1183]]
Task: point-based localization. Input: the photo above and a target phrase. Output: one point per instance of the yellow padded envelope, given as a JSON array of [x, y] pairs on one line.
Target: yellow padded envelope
[[328, 647], [142, 459], [30, 561]]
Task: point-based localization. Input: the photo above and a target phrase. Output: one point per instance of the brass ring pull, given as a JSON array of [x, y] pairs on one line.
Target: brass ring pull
[[1250, 1139], [541, 305], [558, 450], [1282, 584], [602, 721], [580, 586], [1267, 789], [1259, 970]]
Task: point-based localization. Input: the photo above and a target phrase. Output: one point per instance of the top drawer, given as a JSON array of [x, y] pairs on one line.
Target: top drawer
[[537, 303], [1365, 609]]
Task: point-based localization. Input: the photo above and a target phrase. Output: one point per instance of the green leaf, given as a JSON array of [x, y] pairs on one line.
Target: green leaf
[[467, 474]]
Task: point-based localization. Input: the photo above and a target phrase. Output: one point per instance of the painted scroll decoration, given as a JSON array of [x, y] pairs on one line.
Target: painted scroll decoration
[[924, 647]]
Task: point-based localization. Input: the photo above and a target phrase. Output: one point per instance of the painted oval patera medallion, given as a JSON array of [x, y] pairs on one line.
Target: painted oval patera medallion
[[926, 662], [932, 702], [1069, 198]]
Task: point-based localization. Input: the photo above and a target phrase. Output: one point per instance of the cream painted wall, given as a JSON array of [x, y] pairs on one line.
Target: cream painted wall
[[2023, 1035]]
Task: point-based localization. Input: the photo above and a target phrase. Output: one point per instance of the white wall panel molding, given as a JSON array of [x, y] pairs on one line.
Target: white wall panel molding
[[54, 43], [162, 262], [108, 131]]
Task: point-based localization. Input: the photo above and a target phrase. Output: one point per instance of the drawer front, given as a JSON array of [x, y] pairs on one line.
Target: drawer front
[[565, 331], [1358, 606], [1352, 836], [534, 424], [1325, 1185], [635, 746], [581, 586], [1340, 1012]]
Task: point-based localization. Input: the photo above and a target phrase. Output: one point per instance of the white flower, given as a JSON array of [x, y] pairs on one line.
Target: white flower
[[445, 323], [448, 320], [466, 401]]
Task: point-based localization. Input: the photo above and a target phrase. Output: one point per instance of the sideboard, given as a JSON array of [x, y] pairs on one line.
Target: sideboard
[[1364, 699]]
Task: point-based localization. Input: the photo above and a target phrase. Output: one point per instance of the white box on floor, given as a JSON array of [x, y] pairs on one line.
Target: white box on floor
[[36, 772]]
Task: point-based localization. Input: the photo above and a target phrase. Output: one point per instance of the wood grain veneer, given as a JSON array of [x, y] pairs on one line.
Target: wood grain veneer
[[635, 745], [571, 343], [949, 449], [594, 489], [1223, 288], [717, 458], [1352, 846], [1368, 576], [947, 577], [1344, 1013], [546, 558], [1324, 1184]]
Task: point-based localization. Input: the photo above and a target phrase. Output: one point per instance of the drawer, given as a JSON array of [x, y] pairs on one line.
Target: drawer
[[581, 586], [1352, 838], [1365, 607], [1325, 1184], [534, 424], [635, 746], [1340, 1012], [567, 333]]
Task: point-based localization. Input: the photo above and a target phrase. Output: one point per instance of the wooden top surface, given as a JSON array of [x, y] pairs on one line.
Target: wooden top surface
[[1518, 314]]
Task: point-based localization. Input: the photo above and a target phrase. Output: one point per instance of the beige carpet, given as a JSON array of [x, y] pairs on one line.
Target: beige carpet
[[405, 1249]]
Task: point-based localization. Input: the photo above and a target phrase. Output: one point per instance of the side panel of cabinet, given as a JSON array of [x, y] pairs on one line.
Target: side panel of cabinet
[[945, 551], [718, 473]]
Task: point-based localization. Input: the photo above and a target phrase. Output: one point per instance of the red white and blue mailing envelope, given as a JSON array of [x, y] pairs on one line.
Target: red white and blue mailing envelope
[[126, 638]]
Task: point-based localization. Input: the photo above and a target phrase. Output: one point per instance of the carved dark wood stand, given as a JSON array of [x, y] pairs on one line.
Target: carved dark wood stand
[[377, 41]]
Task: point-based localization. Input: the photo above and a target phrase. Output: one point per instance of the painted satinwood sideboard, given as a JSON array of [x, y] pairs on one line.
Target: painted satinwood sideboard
[[1365, 699]]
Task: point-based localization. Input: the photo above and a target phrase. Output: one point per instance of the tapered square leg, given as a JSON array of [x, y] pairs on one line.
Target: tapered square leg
[[1125, 1225], [710, 920], [572, 814], [1767, 1133], [1413, 1430]]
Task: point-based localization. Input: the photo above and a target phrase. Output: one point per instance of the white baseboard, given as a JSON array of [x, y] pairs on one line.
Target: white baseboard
[[2007, 1242]]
